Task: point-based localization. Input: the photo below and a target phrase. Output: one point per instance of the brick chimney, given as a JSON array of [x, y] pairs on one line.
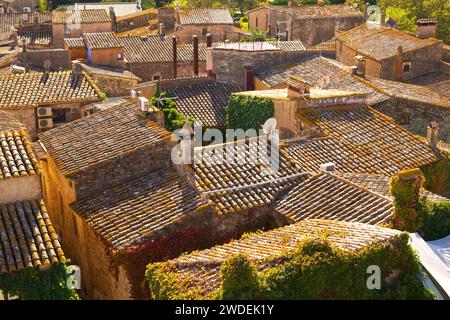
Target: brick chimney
[[399, 66], [426, 28], [248, 77], [360, 66], [195, 45], [174, 57], [112, 15], [209, 40], [161, 29], [433, 134], [149, 112]]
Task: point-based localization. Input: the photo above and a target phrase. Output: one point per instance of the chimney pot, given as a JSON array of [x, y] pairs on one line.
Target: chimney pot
[[143, 104], [161, 29], [433, 134], [195, 44]]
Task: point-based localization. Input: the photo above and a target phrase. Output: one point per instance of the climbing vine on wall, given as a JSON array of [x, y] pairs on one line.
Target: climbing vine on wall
[[173, 119], [35, 284], [245, 112]]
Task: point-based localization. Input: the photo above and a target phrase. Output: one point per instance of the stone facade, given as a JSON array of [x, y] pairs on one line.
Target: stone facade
[[310, 30], [59, 59], [416, 117], [110, 57], [113, 83], [218, 60]]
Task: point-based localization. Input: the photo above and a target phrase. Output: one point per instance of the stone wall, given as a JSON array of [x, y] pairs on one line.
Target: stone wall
[[167, 17], [148, 70], [114, 85], [219, 61], [107, 57], [136, 21], [221, 32], [59, 59], [415, 116], [124, 167]]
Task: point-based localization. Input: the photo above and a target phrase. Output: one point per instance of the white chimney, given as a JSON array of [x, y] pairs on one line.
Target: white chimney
[[327, 167], [143, 104], [187, 143]]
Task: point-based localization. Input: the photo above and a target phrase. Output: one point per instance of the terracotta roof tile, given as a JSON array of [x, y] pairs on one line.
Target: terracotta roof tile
[[381, 42], [101, 40], [41, 37], [203, 267], [80, 16], [205, 16], [205, 102], [104, 135], [129, 213], [359, 139], [33, 89], [241, 183], [8, 20], [17, 158], [327, 196], [157, 49], [308, 11], [75, 42], [27, 237]]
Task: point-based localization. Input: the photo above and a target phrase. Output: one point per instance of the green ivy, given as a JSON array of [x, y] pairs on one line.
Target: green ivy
[[173, 119], [246, 112], [436, 216], [315, 270], [437, 175], [35, 284]]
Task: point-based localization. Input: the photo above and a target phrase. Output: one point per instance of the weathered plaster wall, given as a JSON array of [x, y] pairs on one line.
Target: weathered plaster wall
[[20, 188]]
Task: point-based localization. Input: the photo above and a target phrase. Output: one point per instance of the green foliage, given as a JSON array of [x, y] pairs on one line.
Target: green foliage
[[173, 119], [437, 176], [244, 23], [406, 189], [34, 284], [246, 112], [436, 216], [43, 6], [239, 279], [405, 19], [258, 36], [314, 270]]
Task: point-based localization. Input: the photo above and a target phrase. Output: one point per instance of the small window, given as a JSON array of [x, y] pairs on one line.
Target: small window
[[204, 31], [27, 9], [119, 56], [131, 23], [406, 66], [156, 77]]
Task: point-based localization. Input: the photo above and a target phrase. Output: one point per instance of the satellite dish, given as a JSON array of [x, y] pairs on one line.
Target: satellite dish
[[373, 14], [270, 125], [324, 82]]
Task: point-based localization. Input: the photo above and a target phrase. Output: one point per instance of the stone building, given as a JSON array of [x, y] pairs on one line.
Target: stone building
[[10, 20], [28, 238], [136, 20], [201, 21], [41, 100], [14, 6], [311, 24], [75, 23], [389, 53], [104, 49]]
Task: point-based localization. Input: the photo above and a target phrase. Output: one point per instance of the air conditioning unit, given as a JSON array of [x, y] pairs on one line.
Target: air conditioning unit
[[45, 123], [44, 112]]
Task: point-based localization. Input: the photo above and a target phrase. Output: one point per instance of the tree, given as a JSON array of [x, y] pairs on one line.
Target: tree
[[405, 20]]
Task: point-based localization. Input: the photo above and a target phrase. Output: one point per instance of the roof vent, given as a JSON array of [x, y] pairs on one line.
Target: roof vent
[[327, 167]]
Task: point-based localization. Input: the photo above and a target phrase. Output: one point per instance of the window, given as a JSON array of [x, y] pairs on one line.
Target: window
[[27, 9], [204, 31], [406, 66], [119, 56], [156, 77]]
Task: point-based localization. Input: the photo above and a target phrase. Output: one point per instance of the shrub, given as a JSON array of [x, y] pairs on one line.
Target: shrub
[[436, 217], [173, 119], [239, 278]]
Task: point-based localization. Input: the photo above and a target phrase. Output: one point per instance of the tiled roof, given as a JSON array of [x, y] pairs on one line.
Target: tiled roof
[[380, 184], [27, 237], [309, 68], [157, 49], [80, 16], [205, 16], [381, 42], [17, 158], [205, 102], [203, 267], [31, 89], [327, 196], [75, 42], [289, 45], [42, 37], [152, 12], [316, 11], [241, 183], [358, 139], [408, 91], [129, 213], [8, 20], [8, 122], [104, 135], [101, 40]]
